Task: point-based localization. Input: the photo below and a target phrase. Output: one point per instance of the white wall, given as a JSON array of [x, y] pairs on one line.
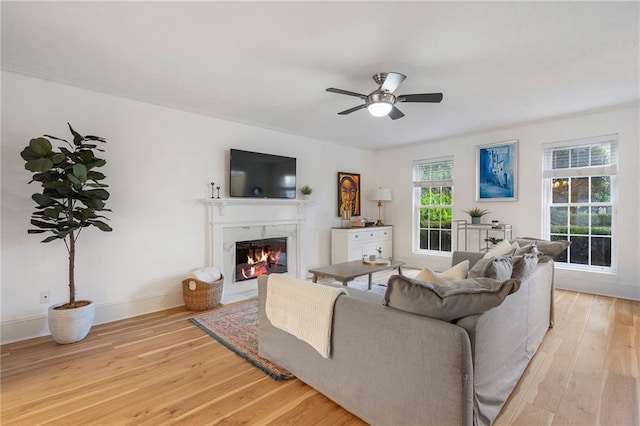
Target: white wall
[[160, 163], [394, 171]]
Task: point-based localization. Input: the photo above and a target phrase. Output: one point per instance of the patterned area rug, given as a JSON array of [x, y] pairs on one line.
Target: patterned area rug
[[236, 327]]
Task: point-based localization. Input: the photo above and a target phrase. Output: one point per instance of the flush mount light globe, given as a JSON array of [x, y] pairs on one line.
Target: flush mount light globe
[[379, 103], [379, 109]]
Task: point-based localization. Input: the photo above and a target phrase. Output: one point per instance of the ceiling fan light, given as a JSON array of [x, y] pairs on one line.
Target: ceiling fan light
[[379, 109]]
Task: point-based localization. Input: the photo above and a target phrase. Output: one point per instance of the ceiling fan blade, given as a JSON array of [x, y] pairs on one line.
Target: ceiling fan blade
[[392, 82], [423, 97], [346, 92], [395, 113], [350, 110]]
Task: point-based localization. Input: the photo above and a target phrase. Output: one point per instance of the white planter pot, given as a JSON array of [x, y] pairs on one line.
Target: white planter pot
[[70, 325]]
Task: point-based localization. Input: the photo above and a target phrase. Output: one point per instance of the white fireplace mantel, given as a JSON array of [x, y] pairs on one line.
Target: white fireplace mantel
[[238, 216]]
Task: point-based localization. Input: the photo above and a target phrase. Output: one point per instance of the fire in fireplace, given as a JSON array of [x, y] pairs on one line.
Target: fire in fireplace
[[258, 257]]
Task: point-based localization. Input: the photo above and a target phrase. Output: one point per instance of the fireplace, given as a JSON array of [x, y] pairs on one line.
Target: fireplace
[[258, 257]]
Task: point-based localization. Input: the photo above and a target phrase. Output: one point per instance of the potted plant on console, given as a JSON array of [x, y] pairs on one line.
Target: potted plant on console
[[476, 214], [71, 198], [306, 191]]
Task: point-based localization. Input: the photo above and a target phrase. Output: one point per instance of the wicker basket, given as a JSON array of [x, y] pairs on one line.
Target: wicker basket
[[205, 295]]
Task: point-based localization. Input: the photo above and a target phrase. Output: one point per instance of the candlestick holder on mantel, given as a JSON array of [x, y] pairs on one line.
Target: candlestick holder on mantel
[[213, 184]]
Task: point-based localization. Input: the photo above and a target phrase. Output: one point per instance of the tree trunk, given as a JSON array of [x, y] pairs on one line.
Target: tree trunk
[[72, 256]]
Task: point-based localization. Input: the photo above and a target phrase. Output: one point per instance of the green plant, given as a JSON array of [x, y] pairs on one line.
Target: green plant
[[476, 212], [494, 240], [72, 194], [306, 190]]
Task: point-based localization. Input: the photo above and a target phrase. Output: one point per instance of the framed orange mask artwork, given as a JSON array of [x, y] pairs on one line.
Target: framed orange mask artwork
[[348, 194]]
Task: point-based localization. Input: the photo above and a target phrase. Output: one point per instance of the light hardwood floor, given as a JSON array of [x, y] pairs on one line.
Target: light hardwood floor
[[160, 369]]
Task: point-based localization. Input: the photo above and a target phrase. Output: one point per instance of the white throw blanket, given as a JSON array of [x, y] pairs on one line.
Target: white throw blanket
[[303, 309]]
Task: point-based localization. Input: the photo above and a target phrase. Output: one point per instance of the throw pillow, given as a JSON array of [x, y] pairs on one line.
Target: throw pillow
[[447, 302], [455, 273], [503, 248], [524, 265], [529, 248], [498, 268], [546, 247]]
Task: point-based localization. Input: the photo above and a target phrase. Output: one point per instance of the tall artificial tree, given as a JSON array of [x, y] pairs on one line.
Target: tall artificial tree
[[72, 192]]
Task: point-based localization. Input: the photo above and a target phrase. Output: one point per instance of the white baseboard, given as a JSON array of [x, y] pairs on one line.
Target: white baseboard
[[18, 329], [610, 290]]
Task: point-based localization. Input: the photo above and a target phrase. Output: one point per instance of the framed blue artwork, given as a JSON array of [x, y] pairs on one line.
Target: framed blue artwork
[[497, 171]]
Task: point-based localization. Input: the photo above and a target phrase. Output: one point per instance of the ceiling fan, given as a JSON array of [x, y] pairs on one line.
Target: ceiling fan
[[382, 101]]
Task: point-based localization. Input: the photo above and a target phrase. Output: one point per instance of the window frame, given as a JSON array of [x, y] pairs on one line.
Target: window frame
[[431, 183], [550, 174]]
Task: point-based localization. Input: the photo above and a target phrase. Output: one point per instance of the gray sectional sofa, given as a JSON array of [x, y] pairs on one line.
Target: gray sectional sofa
[[390, 367]]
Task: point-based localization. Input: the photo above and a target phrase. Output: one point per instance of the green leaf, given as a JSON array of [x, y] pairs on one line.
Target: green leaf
[[74, 179], [28, 154], [56, 138], [44, 225], [43, 200], [77, 137], [93, 203], [58, 158], [93, 175], [80, 171], [101, 225], [39, 165], [100, 194], [41, 146], [49, 239], [36, 231], [53, 212]]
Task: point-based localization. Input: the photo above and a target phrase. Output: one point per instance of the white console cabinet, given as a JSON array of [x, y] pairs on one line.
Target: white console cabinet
[[352, 243]]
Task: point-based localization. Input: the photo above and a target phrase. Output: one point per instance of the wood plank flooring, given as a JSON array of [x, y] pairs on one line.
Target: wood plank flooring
[[159, 369]]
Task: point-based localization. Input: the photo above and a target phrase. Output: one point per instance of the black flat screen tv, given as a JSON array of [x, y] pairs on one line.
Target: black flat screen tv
[[258, 175]]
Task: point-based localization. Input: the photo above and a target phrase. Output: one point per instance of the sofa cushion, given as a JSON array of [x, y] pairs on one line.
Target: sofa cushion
[[498, 268], [455, 273], [524, 265], [504, 247], [450, 301]]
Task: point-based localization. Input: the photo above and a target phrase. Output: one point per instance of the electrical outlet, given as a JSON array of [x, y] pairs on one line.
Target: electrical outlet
[[44, 296]]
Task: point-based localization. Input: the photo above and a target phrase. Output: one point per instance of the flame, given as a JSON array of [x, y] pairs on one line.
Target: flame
[[259, 263]]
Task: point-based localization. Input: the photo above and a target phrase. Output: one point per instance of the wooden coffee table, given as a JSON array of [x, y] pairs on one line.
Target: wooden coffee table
[[347, 271]]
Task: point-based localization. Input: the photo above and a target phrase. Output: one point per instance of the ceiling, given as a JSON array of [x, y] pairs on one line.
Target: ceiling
[[268, 63]]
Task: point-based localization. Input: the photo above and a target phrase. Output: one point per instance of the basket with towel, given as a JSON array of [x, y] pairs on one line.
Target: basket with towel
[[202, 289]]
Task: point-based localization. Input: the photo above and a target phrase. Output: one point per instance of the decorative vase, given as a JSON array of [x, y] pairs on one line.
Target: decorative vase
[[70, 325], [475, 220]]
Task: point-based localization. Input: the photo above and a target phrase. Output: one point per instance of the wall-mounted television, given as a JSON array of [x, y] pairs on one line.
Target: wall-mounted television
[[259, 175]]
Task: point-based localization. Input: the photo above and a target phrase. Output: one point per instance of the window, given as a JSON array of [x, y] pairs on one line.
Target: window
[[579, 180], [432, 200]]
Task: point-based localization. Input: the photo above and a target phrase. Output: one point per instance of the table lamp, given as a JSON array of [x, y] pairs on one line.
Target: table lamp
[[380, 195]]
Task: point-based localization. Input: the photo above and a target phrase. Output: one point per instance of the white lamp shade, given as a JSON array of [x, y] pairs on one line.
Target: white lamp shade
[[380, 194]]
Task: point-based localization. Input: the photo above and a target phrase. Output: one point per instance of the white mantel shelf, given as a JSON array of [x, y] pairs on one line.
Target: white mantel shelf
[[224, 202], [255, 201]]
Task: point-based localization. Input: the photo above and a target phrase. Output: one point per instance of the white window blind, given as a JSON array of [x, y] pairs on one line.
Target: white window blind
[[595, 156], [434, 172]]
